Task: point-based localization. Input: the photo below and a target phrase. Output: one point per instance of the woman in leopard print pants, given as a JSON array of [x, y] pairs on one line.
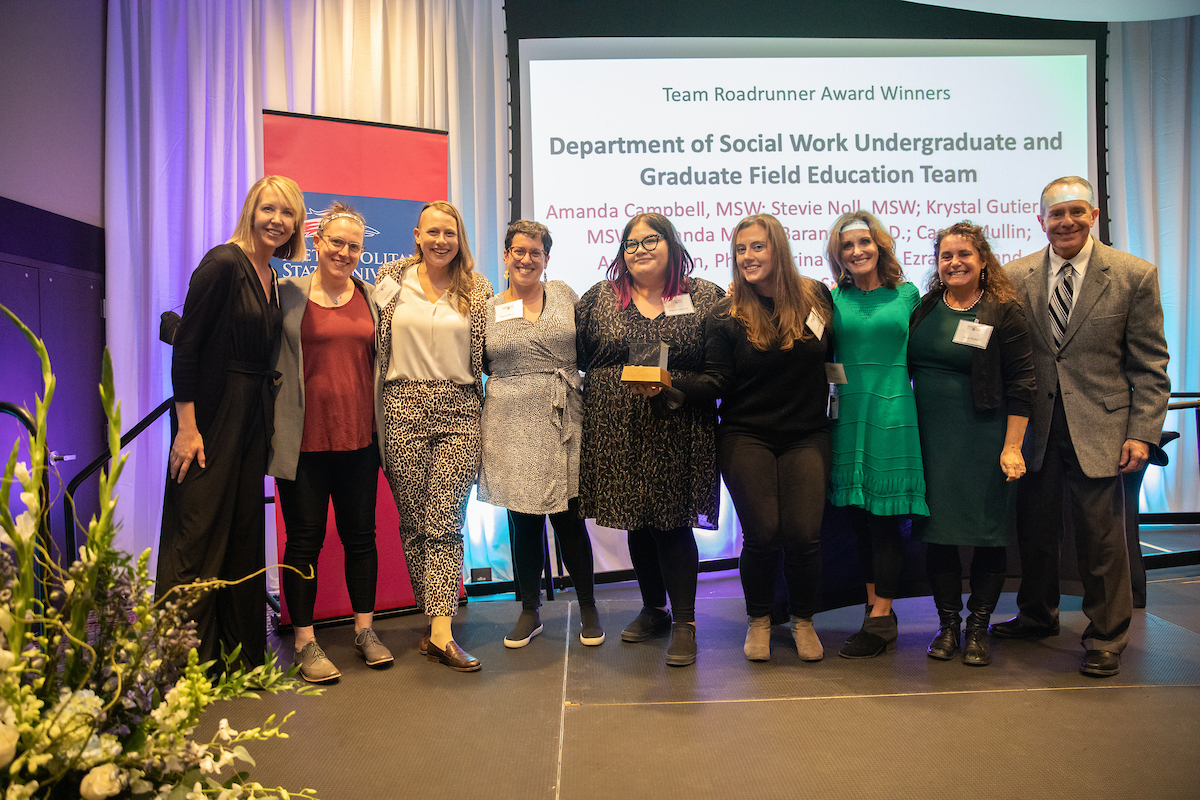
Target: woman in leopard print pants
[[431, 322]]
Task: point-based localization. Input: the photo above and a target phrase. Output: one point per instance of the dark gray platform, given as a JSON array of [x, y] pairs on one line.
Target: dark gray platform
[[560, 720]]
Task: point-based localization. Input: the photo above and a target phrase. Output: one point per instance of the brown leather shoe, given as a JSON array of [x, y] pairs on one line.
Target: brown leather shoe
[[424, 646], [454, 657]]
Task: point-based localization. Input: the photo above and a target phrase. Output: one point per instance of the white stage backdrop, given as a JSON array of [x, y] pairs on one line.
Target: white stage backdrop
[[921, 133]]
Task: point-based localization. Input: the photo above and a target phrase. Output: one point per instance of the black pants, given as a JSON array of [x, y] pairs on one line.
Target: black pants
[[1097, 508], [529, 552], [880, 550], [350, 479], [779, 493], [666, 563]]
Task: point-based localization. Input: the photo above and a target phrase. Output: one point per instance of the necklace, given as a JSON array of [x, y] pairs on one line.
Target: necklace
[[338, 298], [946, 300]]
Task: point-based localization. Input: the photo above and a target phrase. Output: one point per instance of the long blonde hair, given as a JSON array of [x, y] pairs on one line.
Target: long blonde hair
[[462, 268], [795, 295], [243, 235]]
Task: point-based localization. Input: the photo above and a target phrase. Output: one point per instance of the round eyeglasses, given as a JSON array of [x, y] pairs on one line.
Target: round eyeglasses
[[650, 242]]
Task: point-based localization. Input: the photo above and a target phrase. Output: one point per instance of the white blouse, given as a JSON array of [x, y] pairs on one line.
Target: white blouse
[[430, 341]]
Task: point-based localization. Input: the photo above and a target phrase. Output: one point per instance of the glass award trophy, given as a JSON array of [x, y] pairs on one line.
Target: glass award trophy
[[647, 363]]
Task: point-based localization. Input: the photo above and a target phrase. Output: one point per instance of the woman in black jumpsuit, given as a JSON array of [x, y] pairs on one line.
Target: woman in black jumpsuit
[[213, 516]]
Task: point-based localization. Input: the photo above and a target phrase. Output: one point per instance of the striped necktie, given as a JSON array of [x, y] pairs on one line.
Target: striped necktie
[[1060, 304]]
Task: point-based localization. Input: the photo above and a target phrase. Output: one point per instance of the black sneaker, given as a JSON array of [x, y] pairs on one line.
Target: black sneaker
[[682, 651], [592, 633], [529, 625], [651, 622]]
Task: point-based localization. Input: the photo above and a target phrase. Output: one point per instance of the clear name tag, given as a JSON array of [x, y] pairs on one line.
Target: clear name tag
[[511, 310], [974, 334], [385, 290], [814, 324], [835, 373], [678, 305]]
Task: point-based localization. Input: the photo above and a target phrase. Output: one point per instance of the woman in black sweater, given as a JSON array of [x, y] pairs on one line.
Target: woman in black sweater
[[765, 351]]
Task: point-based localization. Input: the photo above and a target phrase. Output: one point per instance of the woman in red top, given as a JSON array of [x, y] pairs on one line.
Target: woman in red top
[[324, 445]]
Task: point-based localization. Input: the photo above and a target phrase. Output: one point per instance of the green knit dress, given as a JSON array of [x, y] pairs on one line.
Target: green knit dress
[[876, 446]]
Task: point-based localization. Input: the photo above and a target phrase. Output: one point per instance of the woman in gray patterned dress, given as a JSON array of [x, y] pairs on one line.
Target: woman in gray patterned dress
[[655, 476], [531, 427]]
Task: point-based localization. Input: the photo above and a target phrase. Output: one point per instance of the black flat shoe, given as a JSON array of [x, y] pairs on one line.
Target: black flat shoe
[[454, 657], [1021, 628], [1101, 664]]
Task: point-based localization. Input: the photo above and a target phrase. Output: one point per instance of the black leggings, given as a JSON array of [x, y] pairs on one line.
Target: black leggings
[[943, 558], [880, 550], [351, 479], [666, 563], [779, 493], [529, 552]]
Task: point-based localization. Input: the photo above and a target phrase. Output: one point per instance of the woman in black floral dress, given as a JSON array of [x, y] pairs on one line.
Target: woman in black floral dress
[[652, 474]]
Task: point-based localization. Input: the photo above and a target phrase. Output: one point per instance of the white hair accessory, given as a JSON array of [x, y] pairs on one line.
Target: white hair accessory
[[855, 225], [347, 214]]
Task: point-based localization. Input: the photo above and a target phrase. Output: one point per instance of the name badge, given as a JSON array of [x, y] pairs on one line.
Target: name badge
[[385, 290], [678, 305], [835, 373], [511, 310], [814, 324], [975, 334]]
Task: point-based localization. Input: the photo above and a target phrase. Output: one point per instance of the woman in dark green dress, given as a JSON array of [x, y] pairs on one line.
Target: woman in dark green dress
[[970, 358]]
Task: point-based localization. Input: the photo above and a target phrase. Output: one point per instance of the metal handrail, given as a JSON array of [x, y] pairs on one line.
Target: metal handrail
[[104, 458], [101, 460], [27, 419]]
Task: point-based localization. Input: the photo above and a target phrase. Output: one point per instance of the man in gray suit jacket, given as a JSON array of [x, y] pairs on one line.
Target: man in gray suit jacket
[[1100, 358]]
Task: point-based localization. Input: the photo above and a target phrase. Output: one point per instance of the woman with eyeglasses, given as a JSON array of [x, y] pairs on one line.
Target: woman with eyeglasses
[[324, 447], [532, 419], [877, 475], [767, 345], [213, 524], [432, 316], [652, 474]]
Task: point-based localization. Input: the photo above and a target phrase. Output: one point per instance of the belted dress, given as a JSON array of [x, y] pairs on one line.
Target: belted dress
[[533, 408]]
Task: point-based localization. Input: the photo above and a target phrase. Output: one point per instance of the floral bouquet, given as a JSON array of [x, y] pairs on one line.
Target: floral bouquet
[[101, 689]]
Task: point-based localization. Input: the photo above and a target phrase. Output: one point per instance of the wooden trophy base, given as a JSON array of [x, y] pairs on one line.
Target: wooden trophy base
[[646, 375]]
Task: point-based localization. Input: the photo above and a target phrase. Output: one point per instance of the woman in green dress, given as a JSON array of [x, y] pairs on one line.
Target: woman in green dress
[[972, 367], [877, 472]]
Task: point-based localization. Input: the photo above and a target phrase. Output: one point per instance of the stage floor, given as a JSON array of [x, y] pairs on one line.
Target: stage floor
[[559, 720]]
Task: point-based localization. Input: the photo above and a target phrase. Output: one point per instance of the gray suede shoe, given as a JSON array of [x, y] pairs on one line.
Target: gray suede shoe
[[808, 645], [758, 639], [314, 666]]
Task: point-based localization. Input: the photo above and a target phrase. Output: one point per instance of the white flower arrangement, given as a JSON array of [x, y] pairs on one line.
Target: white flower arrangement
[[101, 688]]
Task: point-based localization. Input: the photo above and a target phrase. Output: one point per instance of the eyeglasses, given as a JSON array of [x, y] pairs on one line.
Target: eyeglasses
[[337, 243], [650, 242], [520, 252]]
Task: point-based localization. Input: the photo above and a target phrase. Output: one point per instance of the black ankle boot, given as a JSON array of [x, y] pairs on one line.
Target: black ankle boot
[[985, 593], [947, 598]]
